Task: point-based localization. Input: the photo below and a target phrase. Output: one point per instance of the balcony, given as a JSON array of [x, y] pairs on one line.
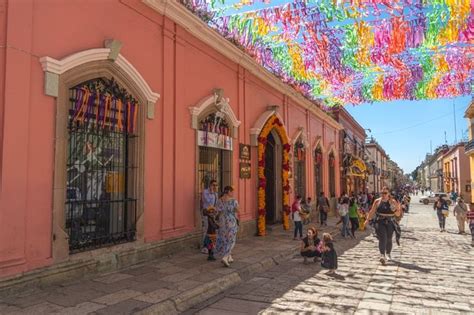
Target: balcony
[[469, 147]]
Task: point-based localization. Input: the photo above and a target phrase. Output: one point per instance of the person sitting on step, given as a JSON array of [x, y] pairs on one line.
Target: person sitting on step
[[310, 245]]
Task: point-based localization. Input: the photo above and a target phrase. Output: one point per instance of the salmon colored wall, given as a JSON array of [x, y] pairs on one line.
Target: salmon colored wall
[[173, 63]]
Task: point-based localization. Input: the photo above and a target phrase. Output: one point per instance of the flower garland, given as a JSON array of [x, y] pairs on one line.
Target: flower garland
[[273, 123]]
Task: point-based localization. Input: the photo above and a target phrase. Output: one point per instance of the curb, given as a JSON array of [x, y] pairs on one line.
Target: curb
[[186, 300]]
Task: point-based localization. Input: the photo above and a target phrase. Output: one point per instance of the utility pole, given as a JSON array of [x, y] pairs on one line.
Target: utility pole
[[431, 147], [455, 131]]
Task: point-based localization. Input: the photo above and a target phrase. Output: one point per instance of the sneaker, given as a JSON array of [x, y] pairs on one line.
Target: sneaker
[[204, 250], [225, 262], [383, 260], [388, 257], [230, 259]]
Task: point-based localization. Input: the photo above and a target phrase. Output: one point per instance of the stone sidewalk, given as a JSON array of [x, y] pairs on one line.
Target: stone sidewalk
[[165, 286]]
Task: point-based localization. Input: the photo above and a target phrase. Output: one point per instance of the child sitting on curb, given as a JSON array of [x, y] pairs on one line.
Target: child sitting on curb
[[310, 245], [329, 256]]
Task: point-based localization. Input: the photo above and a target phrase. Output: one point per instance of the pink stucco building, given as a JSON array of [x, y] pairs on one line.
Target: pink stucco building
[[456, 172], [114, 116]]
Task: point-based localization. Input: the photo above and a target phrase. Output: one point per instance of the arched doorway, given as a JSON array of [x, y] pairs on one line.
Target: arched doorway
[[273, 188], [216, 127], [273, 167]]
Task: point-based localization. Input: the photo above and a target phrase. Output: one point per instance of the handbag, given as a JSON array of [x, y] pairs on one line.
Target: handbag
[[445, 212]]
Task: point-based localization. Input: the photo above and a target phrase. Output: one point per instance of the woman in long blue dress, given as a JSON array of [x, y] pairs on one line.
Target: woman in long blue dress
[[227, 208]]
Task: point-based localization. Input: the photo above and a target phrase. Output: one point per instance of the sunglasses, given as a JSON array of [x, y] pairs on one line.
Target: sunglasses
[[384, 192]]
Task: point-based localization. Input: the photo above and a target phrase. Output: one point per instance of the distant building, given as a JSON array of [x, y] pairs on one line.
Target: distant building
[[352, 154], [456, 171], [377, 159], [469, 146]]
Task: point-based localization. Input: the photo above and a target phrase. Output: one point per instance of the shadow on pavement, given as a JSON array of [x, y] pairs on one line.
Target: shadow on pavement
[[411, 266]]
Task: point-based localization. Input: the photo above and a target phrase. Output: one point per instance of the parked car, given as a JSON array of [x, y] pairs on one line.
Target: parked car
[[432, 198]]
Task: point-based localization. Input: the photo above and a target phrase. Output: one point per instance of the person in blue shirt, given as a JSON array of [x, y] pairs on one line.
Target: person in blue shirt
[[208, 200]]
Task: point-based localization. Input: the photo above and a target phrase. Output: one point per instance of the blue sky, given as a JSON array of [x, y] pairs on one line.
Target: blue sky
[[405, 128]]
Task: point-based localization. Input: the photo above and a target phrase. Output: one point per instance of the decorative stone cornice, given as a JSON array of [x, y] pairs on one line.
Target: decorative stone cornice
[[57, 67], [217, 102], [260, 123], [300, 134], [182, 16], [318, 141]]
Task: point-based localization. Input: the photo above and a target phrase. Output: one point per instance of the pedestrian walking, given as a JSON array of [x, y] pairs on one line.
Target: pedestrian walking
[[343, 211], [470, 220], [328, 255], [353, 216], [323, 206], [228, 209], [310, 245], [209, 199], [460, 211], [296, 217], [442, 211], [454, 196], [385, 209]]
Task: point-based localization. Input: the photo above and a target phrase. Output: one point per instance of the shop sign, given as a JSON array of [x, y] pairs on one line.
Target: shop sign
[[244, 151], [214, 140], [245, 170]]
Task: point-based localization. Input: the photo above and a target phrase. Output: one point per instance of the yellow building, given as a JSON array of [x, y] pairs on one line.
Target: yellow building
[[469, 148]]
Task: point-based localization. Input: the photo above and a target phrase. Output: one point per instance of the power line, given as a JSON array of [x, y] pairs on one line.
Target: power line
[[416, 125]]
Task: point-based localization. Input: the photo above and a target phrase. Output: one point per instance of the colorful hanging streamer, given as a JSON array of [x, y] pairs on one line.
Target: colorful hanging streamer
[[354, 51], [103, 111]]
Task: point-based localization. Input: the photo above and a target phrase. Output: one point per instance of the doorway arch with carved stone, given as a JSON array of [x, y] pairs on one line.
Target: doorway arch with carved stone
[[273, 133]]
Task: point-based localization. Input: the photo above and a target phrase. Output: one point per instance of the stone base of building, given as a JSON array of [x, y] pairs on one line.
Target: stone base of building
[[86, 265]]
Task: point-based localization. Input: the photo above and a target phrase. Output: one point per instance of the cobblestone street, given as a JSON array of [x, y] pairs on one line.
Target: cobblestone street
[[431, 272]]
